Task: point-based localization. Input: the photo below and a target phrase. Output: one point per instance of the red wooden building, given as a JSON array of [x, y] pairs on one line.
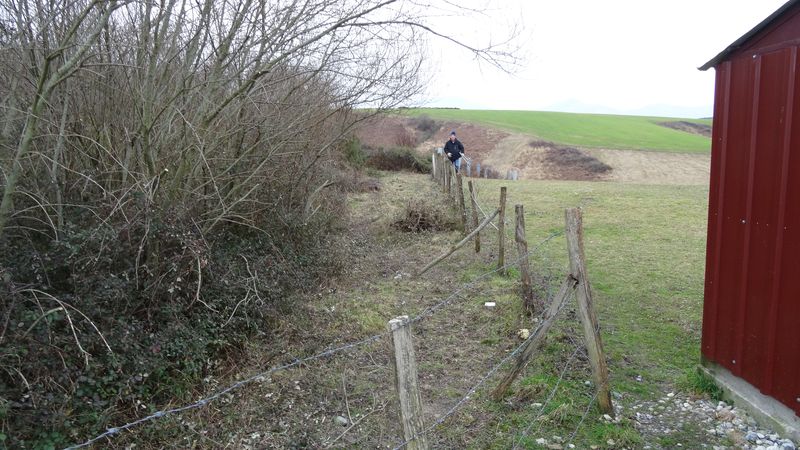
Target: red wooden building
[[751, 316]]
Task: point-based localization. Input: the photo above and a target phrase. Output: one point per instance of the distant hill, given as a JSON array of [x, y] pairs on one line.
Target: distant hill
[[586, 130]]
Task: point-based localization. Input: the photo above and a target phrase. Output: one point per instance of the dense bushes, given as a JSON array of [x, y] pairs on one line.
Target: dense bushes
[[398, 158], [162, 202]]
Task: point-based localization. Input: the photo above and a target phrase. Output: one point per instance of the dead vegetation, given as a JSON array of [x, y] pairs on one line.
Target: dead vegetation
[[422, 215], [570, 163], [688, 127]]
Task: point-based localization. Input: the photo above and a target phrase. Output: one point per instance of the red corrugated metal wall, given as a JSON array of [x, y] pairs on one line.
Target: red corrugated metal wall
[[751, 317]]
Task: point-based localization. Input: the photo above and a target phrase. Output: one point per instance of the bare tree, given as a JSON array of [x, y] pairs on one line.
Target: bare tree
[[139, 121]]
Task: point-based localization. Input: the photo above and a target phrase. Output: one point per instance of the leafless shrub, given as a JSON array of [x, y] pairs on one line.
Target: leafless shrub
[[420, 215], [396, 159], [426, 126], [570, 158], [139, 141], [405, 138]]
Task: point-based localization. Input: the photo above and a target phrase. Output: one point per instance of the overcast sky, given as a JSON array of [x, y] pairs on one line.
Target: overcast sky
[[612, 56]]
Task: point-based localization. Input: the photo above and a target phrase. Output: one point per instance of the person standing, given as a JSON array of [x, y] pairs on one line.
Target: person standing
[[454, 150]]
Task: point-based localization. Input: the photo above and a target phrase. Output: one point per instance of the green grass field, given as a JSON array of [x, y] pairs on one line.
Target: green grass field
[[587, 130], [645, 248]]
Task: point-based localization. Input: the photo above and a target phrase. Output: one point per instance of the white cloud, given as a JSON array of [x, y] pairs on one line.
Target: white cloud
[[609, 56]]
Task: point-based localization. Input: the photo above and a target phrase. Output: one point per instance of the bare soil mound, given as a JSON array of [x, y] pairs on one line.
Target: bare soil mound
[[689, 127]]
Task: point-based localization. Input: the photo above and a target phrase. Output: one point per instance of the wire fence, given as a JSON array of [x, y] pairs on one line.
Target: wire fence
[[475, 388], [427, 312]]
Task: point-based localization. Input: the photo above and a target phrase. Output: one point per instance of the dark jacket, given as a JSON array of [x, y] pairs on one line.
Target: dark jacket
[[455, 148]]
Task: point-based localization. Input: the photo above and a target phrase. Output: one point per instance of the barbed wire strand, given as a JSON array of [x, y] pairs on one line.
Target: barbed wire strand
[[237, 385], [464, 399], [547, 401], [583, 418], [474, 388], [424, 314], [432, 309]]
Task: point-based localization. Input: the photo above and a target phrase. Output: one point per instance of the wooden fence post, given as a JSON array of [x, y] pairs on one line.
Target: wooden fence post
[[469, 168], [474, 202], [594, 344], [462, 207], [524, 266], [405, 370], [433, 165], [501, 233]]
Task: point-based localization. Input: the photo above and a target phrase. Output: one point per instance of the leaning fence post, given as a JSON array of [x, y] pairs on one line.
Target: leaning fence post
[[594, 345], [524, 266], [474, 202], [501, 233], [462, 207], [405, 370]]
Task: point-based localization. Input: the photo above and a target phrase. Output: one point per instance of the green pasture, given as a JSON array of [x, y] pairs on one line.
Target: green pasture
[[586, 130], [645, 250]]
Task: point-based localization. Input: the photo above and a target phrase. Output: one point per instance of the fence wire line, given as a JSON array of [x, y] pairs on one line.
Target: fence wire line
[[474, 388], [424, 314], [429, 311], [585, 413], [464, 399], [547, 401], [237, 385]]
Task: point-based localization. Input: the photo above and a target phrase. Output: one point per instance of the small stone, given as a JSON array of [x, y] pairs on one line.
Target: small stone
[[786, 444], [611, 442], [761, 435], [341, 421], [587, 383], [490, 304], [607, 417], [541, 441], [571, 446], [616, 395], [524, 333], [671, 394]]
